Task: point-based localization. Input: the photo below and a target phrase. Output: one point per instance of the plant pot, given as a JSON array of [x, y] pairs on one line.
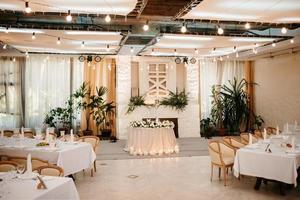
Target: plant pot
[[222, 131], [106, 133], [87, 132]]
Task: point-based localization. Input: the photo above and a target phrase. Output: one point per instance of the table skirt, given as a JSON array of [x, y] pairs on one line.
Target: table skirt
[[151, 141]]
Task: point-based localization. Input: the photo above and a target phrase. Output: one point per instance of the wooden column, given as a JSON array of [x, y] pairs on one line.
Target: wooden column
[[250, 88]]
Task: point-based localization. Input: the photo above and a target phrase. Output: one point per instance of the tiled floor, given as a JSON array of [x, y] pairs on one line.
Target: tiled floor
[[181, 178]]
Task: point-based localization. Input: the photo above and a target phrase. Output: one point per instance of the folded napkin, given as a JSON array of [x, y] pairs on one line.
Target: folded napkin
[[265, 134], [29, 165], [277, 130], [22, 132], [250, 139], [2, 133], [72, 136], [47, 135], [293, 144]]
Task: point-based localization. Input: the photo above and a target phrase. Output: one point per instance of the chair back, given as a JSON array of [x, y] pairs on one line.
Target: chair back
[[36, 162], [93, 140], [245, 138], [258, 133], [6, 166], [234, 142], [28, 134], [8, 133], [50, 170], [214, 152], [67, 137], [271, 130]]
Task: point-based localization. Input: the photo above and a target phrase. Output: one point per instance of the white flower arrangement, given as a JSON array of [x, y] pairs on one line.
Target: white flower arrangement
[[151, 124]]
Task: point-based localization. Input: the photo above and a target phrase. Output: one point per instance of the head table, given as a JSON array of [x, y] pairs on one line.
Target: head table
[[151, 141], [64, 155], [13, 188], [279, 164]]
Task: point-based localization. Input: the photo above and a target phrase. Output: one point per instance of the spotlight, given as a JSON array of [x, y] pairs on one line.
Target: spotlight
[[27, 8], [175, 52], [234, 49], [183, 28], [220, 30], [107, 48], [58, 40], [196, 51], [273, 44], [292, 41], [82, 44], [283, 30], [247, 26], [69, 16], [146, 26], [5, 46], [131, 49], [107, 19], [6, 30], [33, 36]]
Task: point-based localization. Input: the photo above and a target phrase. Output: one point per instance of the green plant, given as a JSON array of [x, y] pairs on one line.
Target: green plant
[[177, 101], [217, 110], [134, 102], [258, 121], [207, 127]]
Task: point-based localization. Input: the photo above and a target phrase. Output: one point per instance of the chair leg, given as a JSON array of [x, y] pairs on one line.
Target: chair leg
[[95, 166], [219, 173], [212, 172], [92, 172], [225, 174]]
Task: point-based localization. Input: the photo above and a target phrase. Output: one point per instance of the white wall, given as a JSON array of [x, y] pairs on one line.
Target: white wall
[[188, 120], [277, 98]]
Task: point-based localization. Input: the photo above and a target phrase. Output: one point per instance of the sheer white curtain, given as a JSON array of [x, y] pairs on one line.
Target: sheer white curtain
[[216, 73], [47, 85], [10, 93]]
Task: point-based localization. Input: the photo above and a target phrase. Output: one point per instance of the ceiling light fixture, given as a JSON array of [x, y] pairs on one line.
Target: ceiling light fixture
[[292, 41], [152, 53], [4, 46], [27, 8], [234, 49], [175, 52], [6, 30], [107, 19], [215, 59], [107, 48], [82, 44], [183, 28], [256, 45], [69, 16], [131, 49], [196, 51], [227, 56], [237, 55], [146, 26], [33, 36], [220, 30], [221, 59], [283, 30], [14, 59], [247, 26], [214, 49], [273, 44], [58, 40]]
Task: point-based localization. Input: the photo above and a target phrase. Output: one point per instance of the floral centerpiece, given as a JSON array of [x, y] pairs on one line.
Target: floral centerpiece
[[151, 124]]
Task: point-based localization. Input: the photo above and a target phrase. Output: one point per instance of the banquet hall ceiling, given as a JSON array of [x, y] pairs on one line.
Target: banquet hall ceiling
[[129, 16]]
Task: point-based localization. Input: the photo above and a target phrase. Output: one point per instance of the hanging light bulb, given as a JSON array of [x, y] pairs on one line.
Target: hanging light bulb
[[107, 19], [175, 52], [27, 8], [107, 48], [220, 30], [6, 30], [221, 59], [14, 59], [237, 55], [247, 25], [196, 51], [146, 26], [33, 36], [227, 56], [131, 49], [273, 44], [58, 40], [292, 41], [234, 49], [82, 44], [214, 49], [283, 30], [69, 16], [215, 59], [4, 46], [183, 28], [26, 52]]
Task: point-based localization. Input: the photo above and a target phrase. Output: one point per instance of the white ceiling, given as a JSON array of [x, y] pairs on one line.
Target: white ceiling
[[71, 41], [273, 11], [185, 45], [118, 7]]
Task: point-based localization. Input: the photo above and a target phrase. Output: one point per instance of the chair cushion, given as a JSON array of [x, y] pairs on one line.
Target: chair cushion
[[228, 160]]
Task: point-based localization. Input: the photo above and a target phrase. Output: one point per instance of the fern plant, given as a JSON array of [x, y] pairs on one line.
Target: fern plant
[[134, 102], [177, 100]]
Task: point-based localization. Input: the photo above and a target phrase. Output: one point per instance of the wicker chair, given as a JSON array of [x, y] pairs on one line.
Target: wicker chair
[[36, 162], [234, 142], [94, 141], [67, 137], [50, 170], [258, 134], [28, 134], [8, 133], [222, 156], [245, 138], [6, 166]]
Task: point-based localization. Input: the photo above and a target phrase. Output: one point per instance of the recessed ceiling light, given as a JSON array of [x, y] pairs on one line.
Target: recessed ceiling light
[[69, 16], [107, 19]]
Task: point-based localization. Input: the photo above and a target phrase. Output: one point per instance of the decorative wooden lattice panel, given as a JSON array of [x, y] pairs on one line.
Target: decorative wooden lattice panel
[[157, 80]]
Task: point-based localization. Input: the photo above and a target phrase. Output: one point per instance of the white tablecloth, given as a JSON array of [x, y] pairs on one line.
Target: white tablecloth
[[254, 161], [72, 157], [151, 141], [57, 188]]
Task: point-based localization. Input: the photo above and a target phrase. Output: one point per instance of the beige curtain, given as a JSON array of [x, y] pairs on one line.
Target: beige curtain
[[100, 74]]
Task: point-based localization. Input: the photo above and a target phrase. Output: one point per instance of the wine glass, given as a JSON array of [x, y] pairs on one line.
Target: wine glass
[[20, 169]]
